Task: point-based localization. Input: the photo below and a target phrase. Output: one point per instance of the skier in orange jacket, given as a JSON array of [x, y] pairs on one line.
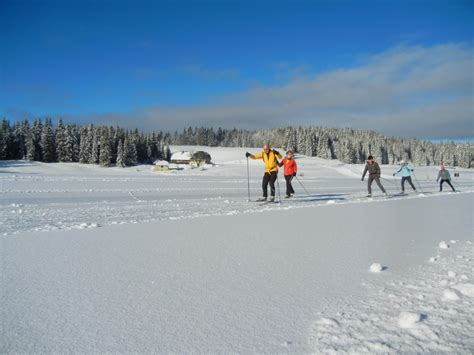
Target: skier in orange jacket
[[289, 171]]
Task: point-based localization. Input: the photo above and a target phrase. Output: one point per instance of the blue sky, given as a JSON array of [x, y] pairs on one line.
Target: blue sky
[[249, 64]]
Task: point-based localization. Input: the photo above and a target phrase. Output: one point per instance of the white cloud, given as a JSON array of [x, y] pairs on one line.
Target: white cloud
[[407, 91]]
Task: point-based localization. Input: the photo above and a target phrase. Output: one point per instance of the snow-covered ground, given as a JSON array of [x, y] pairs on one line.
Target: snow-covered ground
[[109, 259]]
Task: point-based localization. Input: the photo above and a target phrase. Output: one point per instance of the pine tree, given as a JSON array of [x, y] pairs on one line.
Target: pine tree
[[4, 140], [47, 142], [105, 156], [64, 143], [85, 148], [95, 151], [33, 138], [121, 154], [130, 151], [167, 153]]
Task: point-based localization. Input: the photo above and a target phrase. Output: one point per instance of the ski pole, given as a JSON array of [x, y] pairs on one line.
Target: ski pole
[[248, 179], [296, 177], [418, 183], [278, 185], [395, 180]]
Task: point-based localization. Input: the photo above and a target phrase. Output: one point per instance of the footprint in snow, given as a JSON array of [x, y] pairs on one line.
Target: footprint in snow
[[465, 289], [450, 294]]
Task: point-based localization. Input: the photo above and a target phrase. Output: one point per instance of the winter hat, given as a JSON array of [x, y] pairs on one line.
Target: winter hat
[[370, 157]]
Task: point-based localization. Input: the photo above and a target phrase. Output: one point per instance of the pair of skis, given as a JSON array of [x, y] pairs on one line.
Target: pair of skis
[[266, 202]]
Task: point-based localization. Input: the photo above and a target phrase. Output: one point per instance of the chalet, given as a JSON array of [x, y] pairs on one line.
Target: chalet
[[194, 159], [181, 157], [161, 165]]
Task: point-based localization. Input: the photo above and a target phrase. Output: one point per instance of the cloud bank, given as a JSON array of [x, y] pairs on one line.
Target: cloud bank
[[409, 91]]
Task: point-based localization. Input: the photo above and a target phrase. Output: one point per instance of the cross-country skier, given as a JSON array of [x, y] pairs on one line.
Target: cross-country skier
[[269, 157], [290, 171], [445, 177], [374, 174], [406, 171]]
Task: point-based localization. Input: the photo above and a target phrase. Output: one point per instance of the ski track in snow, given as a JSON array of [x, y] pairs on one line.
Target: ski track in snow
[[429, 311], [49, 207]]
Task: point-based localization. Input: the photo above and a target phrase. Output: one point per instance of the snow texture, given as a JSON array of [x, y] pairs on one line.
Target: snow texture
[[105, 260]]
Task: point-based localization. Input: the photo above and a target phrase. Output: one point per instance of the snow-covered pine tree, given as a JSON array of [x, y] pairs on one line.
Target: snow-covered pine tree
[[85, 147], [4, 140], [64, 143], [48, 147], [33, 138], [105, 155], [20, 133], [95, 151], [130, 150], [120, 154], [167, 153]]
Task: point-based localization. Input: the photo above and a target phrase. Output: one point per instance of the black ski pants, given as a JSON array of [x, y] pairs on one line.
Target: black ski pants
[[269, 178], [289, 188], [407, 178], [441, 185]]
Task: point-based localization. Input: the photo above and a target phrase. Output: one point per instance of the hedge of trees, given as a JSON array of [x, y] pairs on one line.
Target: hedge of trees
[[107, 146]]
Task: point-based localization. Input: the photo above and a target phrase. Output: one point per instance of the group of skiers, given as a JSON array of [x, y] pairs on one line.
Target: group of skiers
[[270, 159]]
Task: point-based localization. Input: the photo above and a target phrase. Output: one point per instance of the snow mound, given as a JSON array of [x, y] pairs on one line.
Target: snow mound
[[86, 225], [465, 289], [451, 274], [451, 295], [443, 245], [329, 321], [408, 319], [376, 267]]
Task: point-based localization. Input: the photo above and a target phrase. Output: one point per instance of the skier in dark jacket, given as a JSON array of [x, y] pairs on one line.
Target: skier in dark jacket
[[374, 174], [444, 176], [270, 159]]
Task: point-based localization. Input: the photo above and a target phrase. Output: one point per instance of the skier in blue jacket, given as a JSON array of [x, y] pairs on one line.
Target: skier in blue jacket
[[406, 171]]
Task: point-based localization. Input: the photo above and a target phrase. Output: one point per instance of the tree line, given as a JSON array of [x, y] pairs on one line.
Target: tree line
[[106, 145]]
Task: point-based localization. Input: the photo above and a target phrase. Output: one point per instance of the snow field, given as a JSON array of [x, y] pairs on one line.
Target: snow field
[[126, 260], [63, 196], [421, 314]]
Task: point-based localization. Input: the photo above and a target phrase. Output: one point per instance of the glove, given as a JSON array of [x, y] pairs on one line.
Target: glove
[[362, 179], [412, 170], [276, 152], [394, 174], [248, 154], [294, 174]]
